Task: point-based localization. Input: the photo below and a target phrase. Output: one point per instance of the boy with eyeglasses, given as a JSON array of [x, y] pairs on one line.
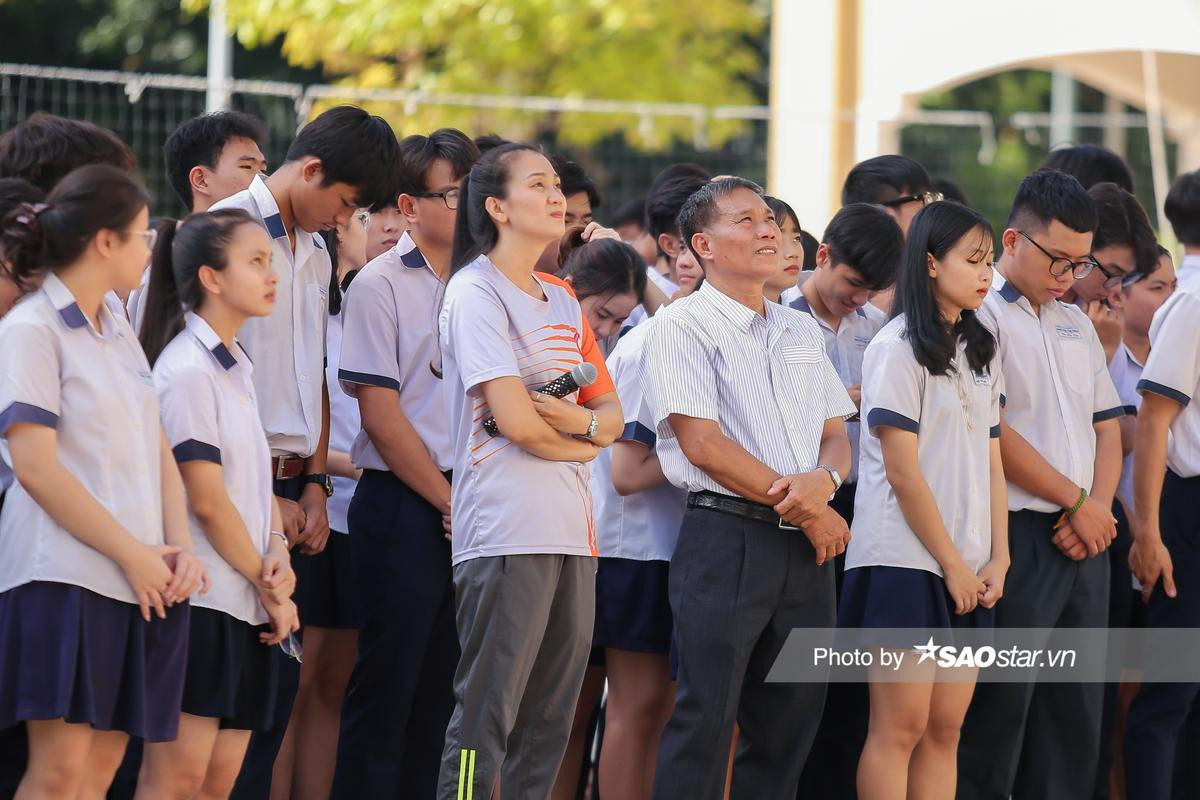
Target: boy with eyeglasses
[[1061, 447]]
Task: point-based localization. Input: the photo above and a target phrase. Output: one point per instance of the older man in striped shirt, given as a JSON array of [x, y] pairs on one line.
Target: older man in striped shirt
[[750, 416]]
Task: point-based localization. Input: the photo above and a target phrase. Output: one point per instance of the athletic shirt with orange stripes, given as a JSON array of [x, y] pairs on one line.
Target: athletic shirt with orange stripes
[[506, 501]]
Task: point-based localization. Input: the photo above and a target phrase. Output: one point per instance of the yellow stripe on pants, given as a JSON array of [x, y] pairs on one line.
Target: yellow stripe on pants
[[462, 771], [471, 777], [466, 773]]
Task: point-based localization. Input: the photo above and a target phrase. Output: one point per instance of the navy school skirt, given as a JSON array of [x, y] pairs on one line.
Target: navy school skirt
[[903, 597], [67, 652], [327, 591], [231, 675], [633, 611]]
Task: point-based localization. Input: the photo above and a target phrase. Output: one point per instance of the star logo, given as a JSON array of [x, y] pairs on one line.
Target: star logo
[[928, 651]]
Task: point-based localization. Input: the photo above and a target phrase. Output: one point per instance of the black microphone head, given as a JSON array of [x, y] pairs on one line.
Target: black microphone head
[[584, 374]]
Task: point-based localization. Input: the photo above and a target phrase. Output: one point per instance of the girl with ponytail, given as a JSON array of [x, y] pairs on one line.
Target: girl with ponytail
[[95, 553], [523, 538], [930, 532], [208, 276]]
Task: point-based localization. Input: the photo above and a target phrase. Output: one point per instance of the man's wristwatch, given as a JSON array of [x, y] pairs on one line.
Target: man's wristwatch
[[833, 473], [322, 480]]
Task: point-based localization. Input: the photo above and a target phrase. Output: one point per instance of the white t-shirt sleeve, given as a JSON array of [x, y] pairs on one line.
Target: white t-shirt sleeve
[[629, 378], [30, 389], [680, 374], [370, 338], [1173, 368], [477, 328], [188, 403], [1106, 404], [892, 385], [837, 399]]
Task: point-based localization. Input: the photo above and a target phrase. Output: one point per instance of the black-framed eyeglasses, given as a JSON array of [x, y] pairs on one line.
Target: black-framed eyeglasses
[[1060, 266], [1114, 276], [449, 197], [925, 197]]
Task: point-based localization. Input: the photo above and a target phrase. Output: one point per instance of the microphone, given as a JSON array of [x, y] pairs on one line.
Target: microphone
[[583, 374]]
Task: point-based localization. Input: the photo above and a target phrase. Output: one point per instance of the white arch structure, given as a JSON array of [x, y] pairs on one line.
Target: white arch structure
[[844, 71]]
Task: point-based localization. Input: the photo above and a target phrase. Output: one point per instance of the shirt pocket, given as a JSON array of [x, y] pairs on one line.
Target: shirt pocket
[[801, 354], [1076, 365]]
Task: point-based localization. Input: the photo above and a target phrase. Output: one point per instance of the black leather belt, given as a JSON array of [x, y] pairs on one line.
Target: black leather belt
[[737, 507]]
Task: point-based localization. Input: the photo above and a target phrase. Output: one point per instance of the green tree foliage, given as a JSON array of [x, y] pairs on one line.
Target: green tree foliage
[[703, 53]]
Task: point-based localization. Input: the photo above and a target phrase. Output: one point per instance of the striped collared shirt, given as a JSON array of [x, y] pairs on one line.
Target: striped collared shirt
[[767, 382]]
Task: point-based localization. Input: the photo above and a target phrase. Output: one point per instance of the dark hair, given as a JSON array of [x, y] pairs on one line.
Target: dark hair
[[201, 240], [868, 240], [356, 149], [600, 267], [330, 238], [876, 179], [810, 250], [1047, 195], [575, 180], [935, 230], [475, 232], [418, 152], [14, 191], [53, 235], [1123, 221], [44, 149], [1091, 164], [781, 209], [950, 190], [631, 212], [1182, 207], [1162, 251], [664, 203], [489, 141], [199, 142], [700, 209]]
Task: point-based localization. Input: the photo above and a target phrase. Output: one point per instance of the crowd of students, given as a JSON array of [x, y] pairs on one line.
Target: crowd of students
[[278, 474]]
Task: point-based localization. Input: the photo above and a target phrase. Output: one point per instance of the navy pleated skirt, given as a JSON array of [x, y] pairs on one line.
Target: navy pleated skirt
[[67, 652], [231, 675], [902, 597]]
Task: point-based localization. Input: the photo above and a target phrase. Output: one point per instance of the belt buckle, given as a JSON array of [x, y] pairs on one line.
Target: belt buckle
[[785, 526], [280, 467]]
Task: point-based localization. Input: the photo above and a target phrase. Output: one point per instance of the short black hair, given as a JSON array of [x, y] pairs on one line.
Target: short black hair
[[1091, 164], [879, 179], [631, 212], [418, 152], [700, 208], [489, 141], [1182, 208], [1047, 195], [1122, 220], [665, 202], [810, 250], [199, 142], [950, 190], [355, 148], [45, 148], [867, 239], [575, 180]]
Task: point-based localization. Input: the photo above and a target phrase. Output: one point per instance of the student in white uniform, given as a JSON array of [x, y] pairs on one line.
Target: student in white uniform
[[343, 160], [1182, 208], [95, 553], [929, 546], [211, 275], [1061, 446], [523, 531], [607, 277], [400, 696], [858, 257], [329, 595], [1166, 557]]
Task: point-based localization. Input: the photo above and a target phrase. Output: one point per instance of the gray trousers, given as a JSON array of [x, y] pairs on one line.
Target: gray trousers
[[1030, 740], [737, 588], [525, 626]]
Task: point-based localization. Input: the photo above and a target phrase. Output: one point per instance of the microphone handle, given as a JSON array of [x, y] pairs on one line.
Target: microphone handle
[[560, 387]]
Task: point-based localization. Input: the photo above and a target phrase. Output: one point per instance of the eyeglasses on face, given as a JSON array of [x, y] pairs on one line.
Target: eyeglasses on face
[[1114, 276], [1060, 266], [925, 197], [148, 236], [449, 197]]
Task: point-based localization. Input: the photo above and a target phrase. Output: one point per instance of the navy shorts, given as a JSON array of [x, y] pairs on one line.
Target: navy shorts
[[902, 597], [632, 608]]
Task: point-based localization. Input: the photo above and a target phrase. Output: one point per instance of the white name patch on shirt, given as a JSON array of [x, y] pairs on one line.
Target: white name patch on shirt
[[1068, 332]]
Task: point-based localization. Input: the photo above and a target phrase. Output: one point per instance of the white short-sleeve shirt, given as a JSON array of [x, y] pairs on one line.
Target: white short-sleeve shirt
[[1126, 371], [288, 346], [1173, 371], [954, 417], [390, 340], [767, 382], [344, 426], [641, 526], [506, 501], [1055, 381], [1188, 273], [665, 284], [846, 347], [95, 389], [210, 413]]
